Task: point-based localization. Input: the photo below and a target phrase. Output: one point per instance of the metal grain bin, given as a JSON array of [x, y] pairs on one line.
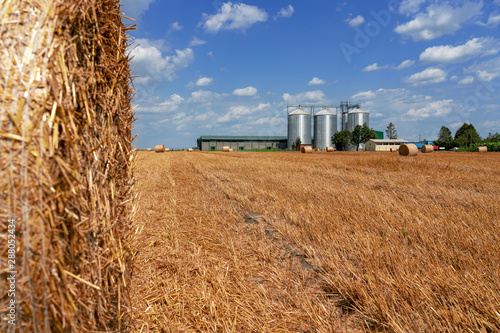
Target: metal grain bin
[[325, 126], [357, 117], [299, 126]]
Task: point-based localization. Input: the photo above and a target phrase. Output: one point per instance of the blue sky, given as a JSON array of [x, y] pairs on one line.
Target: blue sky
[[231, 68]]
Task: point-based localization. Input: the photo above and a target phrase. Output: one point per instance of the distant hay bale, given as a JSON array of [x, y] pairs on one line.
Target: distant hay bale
[[190, 149], [167, 149], [329, 149], [159, 149], [225, 148], [317, 149], [394, 150], [408, 150], [427, 149], [230, 149], [149, 149], [482, 149], [66, 164], [306, 149]]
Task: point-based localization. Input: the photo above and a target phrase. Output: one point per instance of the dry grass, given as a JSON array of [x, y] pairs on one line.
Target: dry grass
[[344, 242]]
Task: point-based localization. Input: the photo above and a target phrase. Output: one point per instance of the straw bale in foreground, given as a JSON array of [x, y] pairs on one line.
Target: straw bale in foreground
[[427, 149], [65, 163], [306, 149], [159, 149], [408, 150], [225, 148]]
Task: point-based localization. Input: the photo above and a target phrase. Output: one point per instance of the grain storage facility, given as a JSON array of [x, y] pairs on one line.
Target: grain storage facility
[[325, 126], [383, 144], [299, 126], [216, 142]]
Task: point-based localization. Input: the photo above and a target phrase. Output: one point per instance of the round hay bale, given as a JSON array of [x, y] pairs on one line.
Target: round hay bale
[[329, 149], [482, 149], [190, 149], [159, 149], [427, 149], [230, 149], [306, 149], [225, 148], [167, 149], [149, 149], [317, 149], [408, 150], [393, 150]]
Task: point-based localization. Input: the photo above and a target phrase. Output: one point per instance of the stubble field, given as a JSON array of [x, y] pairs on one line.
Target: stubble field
[[323, 242]]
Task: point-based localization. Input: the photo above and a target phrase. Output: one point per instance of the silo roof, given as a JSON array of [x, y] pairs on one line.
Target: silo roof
[[360, 110], [299, 111], [325, 112]]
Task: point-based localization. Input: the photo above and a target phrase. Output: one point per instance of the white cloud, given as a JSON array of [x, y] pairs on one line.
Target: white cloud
[[405, 64], [373, 67], [466, 80], [203, 96], [210, 54], [484, 46], [204, 81], [356, 21], [233, 17], [175, 27], [316, 81], [168, 105], [493, 20], [454, 78], [432, 109], [196, 41], [316, 96], [427, 76], [410, 6], [159, 44], [248, 91], [487, 70], [439, 20], [153, 68], [134, 8], [236, 112], [363, 95], [285, 12]]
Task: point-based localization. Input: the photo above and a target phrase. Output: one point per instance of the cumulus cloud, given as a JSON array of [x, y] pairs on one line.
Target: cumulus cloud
[[204, 81], [316, 81], [439, 20], [363, 95], [410, 6], [432, 109], [373, 67], [203, 96], [466, 80], [493, 20], [405, 64], [427, 76], [248, 91], [167, 105], [175, 27], [196, 41], [233, 17], [134, 8], [484, 46], [285, 12], [487, 70], [315, 96], [355, 21], [152, 67]]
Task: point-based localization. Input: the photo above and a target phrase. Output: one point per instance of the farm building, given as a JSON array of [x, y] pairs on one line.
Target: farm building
[[383, 144], [216, 142]]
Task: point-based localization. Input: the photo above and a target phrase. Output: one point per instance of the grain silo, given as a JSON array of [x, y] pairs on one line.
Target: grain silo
[[299, 126], [325, 126], [357, 117]]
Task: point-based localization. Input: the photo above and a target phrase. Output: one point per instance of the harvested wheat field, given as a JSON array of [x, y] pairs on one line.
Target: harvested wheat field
[[322, 242]]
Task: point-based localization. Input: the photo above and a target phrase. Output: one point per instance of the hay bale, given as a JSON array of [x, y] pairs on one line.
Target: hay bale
[[225, 148], [394, 150], [427, 149], [230, 149], [159, 149], [167, 149], [306, 149], [65, 129], [329, 149], [408, 150], [482, 149], [190, 149], [149, 149], [317, 149]]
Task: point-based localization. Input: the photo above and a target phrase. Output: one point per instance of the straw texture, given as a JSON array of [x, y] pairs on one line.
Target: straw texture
[[482, 149], [408, 150], [306, 149], [427, 149], [66, 163], [159, 149]]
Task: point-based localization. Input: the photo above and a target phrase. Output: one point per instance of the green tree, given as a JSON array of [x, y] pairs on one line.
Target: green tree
[[341, 139], [444, 138], [367, 133], [391, 131], [357, 136], [466, 135], [296, 144], [493, 137]]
